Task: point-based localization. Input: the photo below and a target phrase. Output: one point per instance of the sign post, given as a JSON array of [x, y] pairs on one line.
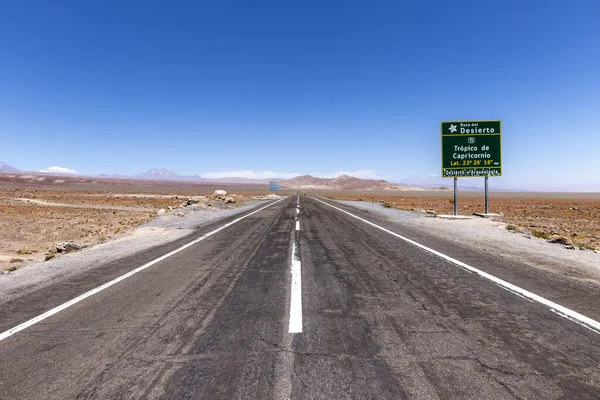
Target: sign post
[[487, 203], [455, 196], [471, 149]]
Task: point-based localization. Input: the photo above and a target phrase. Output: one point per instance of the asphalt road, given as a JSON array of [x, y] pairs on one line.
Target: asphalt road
[[379, 319]]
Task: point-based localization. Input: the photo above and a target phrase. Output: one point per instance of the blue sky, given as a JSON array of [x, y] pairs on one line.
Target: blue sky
[[317, 87]]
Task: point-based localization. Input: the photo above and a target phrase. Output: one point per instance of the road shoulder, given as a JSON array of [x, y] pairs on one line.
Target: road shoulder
[[482, 234], [161, 231]]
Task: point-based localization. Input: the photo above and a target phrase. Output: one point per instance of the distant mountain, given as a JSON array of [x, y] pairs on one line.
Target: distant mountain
[[428, 181], [436, 182], [343, 182], [4, 167], [113, 176], [159, 173], [234, 179]]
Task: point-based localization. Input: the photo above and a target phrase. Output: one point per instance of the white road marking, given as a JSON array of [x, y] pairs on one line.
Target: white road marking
[[554, 307], [77, 299], [297, 225], [296, 297]]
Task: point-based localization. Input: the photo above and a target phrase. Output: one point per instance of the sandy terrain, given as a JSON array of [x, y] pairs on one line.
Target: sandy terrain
[[575, 215], [37, 215], [38, 212]]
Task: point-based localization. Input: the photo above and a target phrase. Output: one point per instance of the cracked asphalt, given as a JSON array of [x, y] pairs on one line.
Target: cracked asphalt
[[382, 319]]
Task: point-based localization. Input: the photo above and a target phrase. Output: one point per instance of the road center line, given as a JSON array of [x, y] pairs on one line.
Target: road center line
[[554, 307], [77, 299], [297, 225], [296, 295]]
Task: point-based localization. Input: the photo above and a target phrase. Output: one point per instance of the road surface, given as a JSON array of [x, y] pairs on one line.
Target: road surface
[[301, 300]]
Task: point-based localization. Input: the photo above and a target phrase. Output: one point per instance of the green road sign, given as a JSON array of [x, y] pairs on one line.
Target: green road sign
[[471, 149]]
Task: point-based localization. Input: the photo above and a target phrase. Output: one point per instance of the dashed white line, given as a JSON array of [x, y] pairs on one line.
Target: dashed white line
[[77, 299], [554, 307], [297, 225], [296, 296]]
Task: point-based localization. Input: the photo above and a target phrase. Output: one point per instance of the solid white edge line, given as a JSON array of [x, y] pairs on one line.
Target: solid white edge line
[[295, 325], [77, 299], [554, 307]]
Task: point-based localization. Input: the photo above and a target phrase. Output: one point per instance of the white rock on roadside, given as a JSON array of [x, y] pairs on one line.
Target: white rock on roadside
[[560, 240], [161, 211], [67, 247]]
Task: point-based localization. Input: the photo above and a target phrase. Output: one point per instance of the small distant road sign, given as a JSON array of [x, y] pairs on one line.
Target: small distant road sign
[[471, 149], [274, 187]]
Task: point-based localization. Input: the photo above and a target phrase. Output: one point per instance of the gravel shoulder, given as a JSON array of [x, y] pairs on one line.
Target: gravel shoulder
[[481, 233], [161, 230]]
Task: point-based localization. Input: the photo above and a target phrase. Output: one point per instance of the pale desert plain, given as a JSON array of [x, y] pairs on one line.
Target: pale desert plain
[[38, 212], [540, 214]]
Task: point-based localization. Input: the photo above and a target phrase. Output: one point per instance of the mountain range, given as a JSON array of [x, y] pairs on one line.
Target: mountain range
[[343, 182], [4, 167], [158, 173]]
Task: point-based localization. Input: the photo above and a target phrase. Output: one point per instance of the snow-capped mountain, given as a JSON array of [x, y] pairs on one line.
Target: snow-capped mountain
[[158, 173], [4, 167]]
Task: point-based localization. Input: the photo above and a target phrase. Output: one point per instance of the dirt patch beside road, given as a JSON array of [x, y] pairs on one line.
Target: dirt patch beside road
[[574, 215], [34, 220]]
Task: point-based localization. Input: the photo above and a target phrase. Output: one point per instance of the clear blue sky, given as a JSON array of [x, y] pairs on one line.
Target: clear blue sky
[[298, 87]]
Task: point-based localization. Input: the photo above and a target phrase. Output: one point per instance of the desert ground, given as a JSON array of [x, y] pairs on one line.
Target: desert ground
[[39, 212], [574, 215], [36, 215]]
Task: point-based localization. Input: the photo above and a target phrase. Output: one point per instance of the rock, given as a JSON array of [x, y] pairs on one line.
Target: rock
[[229, 200], [570, 247], [560, 240], [574, 234], [67, 247], [179, 214], [575, 208], [220, 194], [189, 202], [161, 211], [170, 208]]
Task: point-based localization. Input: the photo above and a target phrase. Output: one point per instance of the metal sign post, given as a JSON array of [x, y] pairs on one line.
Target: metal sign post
[[487, 204], [455, 196]]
